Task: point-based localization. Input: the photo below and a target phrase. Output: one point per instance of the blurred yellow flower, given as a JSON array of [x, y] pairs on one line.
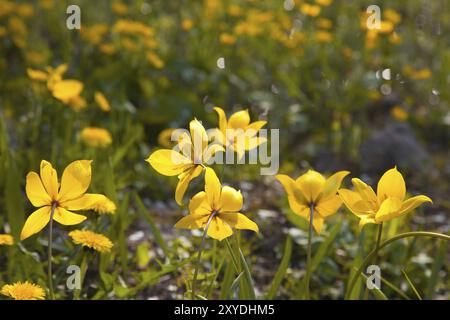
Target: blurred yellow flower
[[91, 240], [227, 38], [187, 24], [3, 31], [132, 28], [234, 10], [237, 132], [25, 10], [311, 191], [119, 8], [420, 74], [155, 60], [108, 48], [310, 9], [65, 90], [217, 210], [187, 161], [23, 291], [95, 33], [49, 196], [102, 101], [6, 240], [164, 138], [324, 23], [392, 16], [388, 203], [323, 36], [324, 3], [394, 38], [96, 137], [399, 113]]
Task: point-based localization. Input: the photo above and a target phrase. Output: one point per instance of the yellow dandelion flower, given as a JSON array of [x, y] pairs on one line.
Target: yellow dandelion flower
[[91, 240], [96, 137], [102, 102], [23, 291], [6, 240], [104, 206]]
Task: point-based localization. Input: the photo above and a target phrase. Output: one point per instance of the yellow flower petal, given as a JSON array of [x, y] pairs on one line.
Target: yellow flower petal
[[413, 203], [222, 120], [35, 191], [333, 183], [317, 223], [199, 139], [168, 162], [192, 221], [239, 221], [292, 189], [254, 142], [212, 188], [391, 184], [67, 218], [256, 126], [185, 179], [49, 179], [230, 200], [75, 180], [239, 120], [311, 185], [389, 209], [328, 206], [85, 202], [366, 192], [199, 204], [36, 222], [37, 75], [352, 201], [218, 229], [363, 221]]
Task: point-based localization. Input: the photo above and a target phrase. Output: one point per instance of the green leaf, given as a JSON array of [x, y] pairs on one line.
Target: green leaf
[[325, 246], [281, 272]]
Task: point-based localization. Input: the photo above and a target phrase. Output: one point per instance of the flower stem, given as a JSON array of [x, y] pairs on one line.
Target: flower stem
[[50, 244], [375, 258], [384, 244], [200, 249], [308, 257]]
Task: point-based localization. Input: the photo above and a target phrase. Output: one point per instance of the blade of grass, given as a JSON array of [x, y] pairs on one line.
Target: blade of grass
[[437, 265], [281, 269], [325, 246], [416, 292]]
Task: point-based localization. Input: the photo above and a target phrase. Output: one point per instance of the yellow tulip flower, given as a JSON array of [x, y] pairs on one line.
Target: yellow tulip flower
[[188, 162], [216, 209], [388, 203], [238, 133], [311, 191], [56, 201]]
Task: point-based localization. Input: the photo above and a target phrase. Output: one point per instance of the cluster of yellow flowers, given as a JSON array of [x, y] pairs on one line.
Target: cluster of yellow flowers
[[216, 208]]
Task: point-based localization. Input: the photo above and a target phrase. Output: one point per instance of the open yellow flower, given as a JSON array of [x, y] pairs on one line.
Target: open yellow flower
[[48, 195], [188, 162], [238, 133], [52, 76], [312, 190], [91, 240], [217, 208], [23, 291], [388, 203]]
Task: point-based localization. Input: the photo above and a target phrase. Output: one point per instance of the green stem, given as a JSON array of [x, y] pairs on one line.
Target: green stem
[[308, 257], [83, 268], [386, 243], [200, 249], [375, 259], [50, 244]]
